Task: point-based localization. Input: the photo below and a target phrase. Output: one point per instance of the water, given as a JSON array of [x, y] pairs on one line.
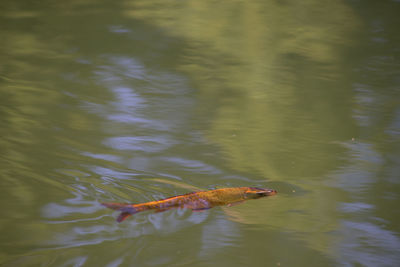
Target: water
[[133, 101]]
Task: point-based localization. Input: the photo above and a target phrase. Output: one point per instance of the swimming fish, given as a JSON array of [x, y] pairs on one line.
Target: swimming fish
[[196, 201]]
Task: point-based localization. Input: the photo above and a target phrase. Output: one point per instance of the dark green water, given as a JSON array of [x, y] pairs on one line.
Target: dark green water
[[132, 101]]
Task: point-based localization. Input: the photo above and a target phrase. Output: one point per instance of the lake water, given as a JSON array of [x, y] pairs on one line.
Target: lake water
[[133, 101]]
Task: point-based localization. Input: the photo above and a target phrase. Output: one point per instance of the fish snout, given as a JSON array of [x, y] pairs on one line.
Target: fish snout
[[267, 192], [255, 192]]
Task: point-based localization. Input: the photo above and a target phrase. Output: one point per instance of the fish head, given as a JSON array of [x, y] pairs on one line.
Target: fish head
[[255, 192]]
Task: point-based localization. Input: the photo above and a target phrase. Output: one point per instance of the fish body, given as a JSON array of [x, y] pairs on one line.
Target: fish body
[[196, 201]]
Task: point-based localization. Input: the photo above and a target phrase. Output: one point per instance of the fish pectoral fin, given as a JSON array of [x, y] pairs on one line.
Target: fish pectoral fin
[[200, 210], [235, 203]]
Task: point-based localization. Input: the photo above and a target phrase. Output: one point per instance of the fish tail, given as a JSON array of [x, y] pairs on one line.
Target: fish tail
[[125, 209]]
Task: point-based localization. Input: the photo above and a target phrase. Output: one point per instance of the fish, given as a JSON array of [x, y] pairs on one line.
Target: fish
[[196, 201]]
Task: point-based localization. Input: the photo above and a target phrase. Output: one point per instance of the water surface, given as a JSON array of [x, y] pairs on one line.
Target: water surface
[[133, 101]]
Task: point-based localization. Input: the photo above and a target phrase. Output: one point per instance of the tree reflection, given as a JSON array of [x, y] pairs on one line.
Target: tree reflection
[[271, 97]]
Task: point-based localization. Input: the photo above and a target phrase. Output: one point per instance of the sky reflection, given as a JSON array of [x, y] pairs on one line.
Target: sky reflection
[[379, 246]]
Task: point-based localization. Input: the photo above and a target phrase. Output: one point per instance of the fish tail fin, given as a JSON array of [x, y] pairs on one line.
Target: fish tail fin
[[123, 216], [126, 209]]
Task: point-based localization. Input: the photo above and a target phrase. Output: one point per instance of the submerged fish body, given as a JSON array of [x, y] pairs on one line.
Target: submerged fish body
[[196, 201]]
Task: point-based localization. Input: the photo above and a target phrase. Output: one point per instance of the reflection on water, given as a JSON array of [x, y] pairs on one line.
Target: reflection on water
[[141, 100], [217, 235], [82, 232], [138, 143], [374, 238]]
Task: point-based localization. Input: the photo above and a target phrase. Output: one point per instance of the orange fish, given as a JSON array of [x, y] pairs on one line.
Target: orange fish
[[196, 201]]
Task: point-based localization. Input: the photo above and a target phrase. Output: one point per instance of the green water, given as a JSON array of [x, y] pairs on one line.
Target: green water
[[132, 101]]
